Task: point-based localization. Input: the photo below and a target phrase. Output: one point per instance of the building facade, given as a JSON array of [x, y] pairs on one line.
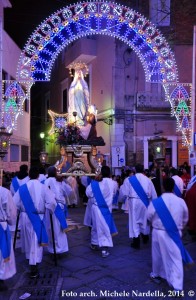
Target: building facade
[[131, 109], [19, 150]]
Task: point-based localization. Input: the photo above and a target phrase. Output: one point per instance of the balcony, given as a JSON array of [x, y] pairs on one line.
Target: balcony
[[152, 102], [84, 50]]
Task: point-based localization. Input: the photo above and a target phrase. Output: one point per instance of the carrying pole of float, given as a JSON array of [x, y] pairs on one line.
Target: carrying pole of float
[[192, 148]]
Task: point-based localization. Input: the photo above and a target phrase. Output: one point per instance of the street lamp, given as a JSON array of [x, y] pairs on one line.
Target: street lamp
[[99, 158], [4, 141], [42, 135], [158, 148], [158, 145], [43, 157]]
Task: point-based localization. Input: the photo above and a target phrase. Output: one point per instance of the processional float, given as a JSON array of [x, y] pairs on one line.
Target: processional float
[[76, 130]]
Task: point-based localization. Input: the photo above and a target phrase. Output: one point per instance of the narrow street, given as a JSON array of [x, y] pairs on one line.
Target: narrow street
[[84, 274]]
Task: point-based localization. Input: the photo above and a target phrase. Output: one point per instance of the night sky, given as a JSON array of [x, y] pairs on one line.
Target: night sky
[[25, 15]]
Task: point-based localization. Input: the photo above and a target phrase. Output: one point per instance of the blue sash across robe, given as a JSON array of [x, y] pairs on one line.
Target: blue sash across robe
[[60, 215], [15, 184], [170, 227], [5, 243], [88, 180], [193, 181], [115, 198], [177, 191], [37, 223], [139, 189], [103, 207], [65, 211]]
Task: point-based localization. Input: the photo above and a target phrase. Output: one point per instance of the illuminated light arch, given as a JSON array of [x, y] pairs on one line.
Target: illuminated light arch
[[90, 18], [105, 18]]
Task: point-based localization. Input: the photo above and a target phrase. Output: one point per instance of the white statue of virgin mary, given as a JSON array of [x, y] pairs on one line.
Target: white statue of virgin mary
[[79, 93]]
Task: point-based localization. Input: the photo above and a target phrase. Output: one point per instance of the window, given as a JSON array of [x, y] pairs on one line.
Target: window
[[24, 153], [14, 152]]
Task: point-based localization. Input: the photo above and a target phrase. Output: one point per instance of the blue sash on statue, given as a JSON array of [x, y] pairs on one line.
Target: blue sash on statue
[[103, 207], [37, 223], [171, 228], [43, 181], [5, 243], [15, 184], [177, 191], [139, 189], [60, 215]]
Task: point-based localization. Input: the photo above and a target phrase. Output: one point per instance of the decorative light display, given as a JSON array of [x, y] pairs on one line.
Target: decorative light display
[[179, 95], [59, 121], [106, 18], [13, 94], [97, 17], [11, 106]]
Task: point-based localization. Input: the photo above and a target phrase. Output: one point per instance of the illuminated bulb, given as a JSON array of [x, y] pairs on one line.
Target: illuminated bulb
[[4, 144]]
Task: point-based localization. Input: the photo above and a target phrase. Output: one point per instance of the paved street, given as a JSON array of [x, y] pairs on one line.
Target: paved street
[[84, 274]]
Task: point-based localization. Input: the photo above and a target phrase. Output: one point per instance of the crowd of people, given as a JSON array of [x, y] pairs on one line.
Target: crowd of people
[[36, 205], [161, 201]]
